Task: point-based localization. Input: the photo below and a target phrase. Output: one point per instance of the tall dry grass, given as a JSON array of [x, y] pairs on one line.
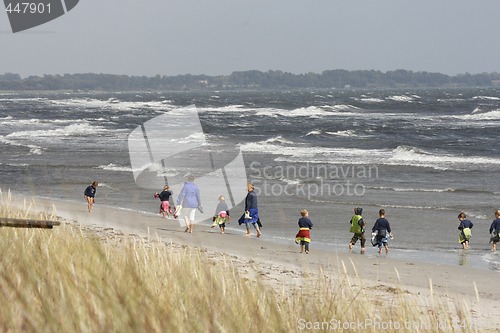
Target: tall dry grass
[[67, 280]]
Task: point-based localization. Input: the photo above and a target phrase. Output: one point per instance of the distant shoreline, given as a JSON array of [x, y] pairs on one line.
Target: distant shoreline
[[252, 80]]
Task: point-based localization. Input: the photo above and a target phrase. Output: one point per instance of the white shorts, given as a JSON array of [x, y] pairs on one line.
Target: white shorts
[[189, 212]]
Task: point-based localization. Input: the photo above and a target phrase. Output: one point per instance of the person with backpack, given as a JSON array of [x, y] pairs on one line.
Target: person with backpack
[[357, 225]]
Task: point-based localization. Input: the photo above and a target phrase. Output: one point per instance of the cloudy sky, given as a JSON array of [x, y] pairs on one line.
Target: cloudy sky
[[170, 37]]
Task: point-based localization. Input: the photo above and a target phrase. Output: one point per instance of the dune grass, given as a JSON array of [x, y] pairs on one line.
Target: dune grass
[[68, 280]]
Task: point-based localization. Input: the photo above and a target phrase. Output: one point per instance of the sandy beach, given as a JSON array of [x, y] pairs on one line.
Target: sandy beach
[[283, 268]]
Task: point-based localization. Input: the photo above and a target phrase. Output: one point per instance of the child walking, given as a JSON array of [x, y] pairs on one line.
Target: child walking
[[304, 235], [495, 231], [382, 228], [357, 225], [221, 216], [165, 198], [465, 233]]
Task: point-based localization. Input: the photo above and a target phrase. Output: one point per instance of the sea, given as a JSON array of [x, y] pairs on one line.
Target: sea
[[423, 155]]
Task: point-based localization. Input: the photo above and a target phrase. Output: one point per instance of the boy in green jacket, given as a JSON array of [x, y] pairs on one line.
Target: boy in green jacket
[[357, 225]]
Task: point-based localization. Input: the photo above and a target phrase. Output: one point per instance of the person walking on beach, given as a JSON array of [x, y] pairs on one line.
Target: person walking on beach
[[89, 195], [495, 230], [304, 235], [165, 196], [357, 225], [221, 215], [465, 233], [382, 228], [188, 201], [251, 215]]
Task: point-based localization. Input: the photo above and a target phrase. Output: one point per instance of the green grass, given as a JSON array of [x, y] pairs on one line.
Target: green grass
[[68, 280]]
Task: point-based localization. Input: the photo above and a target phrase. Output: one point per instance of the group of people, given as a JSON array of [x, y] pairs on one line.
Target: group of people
[[189, 200], [381, 230], [465, 230]]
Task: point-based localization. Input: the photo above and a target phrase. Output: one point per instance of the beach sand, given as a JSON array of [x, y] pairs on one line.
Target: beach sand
[[286, 270]]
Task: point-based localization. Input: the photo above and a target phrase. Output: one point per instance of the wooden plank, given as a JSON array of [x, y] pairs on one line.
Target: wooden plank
[[25, 223]]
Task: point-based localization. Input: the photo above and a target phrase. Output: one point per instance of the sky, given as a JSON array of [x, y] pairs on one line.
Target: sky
[[217, 37]]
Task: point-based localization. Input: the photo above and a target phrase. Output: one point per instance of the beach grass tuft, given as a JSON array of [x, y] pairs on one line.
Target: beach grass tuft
[[68, 279]]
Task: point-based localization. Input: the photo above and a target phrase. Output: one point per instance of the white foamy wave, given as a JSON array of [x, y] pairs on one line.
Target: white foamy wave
[[347, 133], [112, 104], [313, 133], [196, 138], [278, 139], [490, 98], [311, 111], [34, 150], [224, 109], [402, 156], [403, 98], [415, 156], [399, 189], [344, 107], [19, 122], [477, 114], [18, 164], [114, 167], [371, 100], [290, 181], [70, 130]]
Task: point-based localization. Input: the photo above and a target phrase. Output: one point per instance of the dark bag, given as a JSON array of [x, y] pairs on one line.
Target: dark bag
[[259, 223]]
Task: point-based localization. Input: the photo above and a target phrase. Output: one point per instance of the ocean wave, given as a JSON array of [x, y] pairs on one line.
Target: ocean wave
[[34, 150], [112, 104], [18, 164], [344, 107], [370, 100], [311, 111], [70, 130], [399, 189], [478, 114], [418, 157], [403, 98], [313, 133], [429, 190], [278, 139], [490, 98], [224, 109], [347, 133], [402, 156], [114, 167]]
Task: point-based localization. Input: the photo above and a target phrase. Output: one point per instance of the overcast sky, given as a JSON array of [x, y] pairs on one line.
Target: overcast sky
[[170, 37]]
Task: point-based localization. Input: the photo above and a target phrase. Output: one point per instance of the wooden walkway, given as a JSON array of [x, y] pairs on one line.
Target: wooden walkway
[[27, 223]]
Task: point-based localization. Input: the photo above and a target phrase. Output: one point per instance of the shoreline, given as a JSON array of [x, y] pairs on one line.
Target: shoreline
[[281, 266]]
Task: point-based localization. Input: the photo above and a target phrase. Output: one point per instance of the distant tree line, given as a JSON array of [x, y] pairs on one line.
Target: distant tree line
[[252, 79]]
